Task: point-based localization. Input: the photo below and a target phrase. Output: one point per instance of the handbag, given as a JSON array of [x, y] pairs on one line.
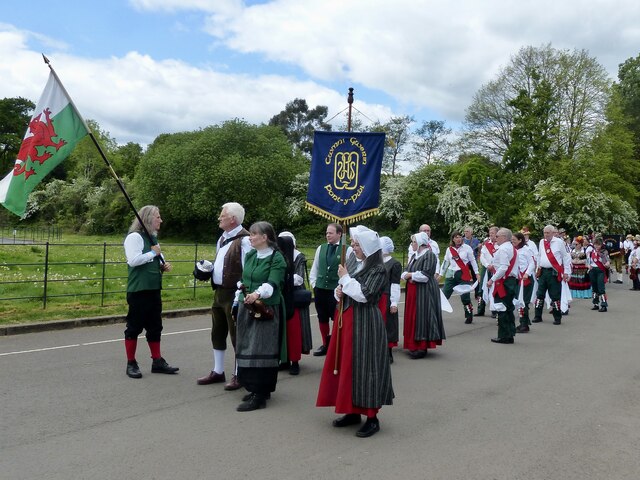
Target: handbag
[[301, 298]]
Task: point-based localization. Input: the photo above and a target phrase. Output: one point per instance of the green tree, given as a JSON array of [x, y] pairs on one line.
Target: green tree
[[398, 135], [15, 114], [431, 142], [298, 122], [190, 175], [628, 88]]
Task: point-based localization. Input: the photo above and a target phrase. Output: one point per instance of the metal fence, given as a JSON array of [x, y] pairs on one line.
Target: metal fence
[[42, 271], [32, 234]]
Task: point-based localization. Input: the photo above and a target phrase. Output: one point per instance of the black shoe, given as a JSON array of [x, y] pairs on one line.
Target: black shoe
[[505, 340], [284, 365], [494, 314], [480, 313], [294, 369], [320, 352], [522, 329], [248, 396], [595, 307], [603, 309], [618, 281], [536, 320], [254, 402], [557, 322], [468, 320], [370, 427], [133, 370], [346, 420], [160, 365], [416, 354]]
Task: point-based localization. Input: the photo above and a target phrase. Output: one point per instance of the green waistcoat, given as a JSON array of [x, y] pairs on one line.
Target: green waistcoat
[[269, 270], [328, 268], [147, 276]]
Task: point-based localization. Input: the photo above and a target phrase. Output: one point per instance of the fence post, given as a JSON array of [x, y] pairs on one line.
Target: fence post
[[195, 260], [46, 275], [104, 264]]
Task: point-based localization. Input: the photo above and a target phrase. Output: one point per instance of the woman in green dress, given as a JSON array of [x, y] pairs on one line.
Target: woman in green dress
[[258, 343]]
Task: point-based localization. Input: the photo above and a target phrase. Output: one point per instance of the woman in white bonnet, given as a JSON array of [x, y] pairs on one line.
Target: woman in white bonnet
[[361, 383], [423, 326]]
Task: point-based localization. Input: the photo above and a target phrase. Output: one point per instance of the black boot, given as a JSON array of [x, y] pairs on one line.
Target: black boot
[[370, 427], [133, 370], [254, 402]]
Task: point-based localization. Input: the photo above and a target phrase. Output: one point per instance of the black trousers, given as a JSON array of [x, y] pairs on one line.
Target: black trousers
[[145, 312], [325, 304]]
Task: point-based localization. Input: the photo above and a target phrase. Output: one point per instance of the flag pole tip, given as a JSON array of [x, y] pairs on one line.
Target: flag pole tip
[[46, 60]]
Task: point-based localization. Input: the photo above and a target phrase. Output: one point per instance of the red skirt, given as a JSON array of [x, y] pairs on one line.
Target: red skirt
[[410, 303], [336, 390], [294, 337]]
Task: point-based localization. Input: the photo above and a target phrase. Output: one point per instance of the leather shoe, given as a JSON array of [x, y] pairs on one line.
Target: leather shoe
[[234, 384], [618, 281], [346, 420], [468, 320], [320, 352], [416, 354], [255, 402], [603, 309], [370, 427], [160, 365], [247, 397], [536, 320], [505, 340], [595, 307], [557, 322], [294, 369], [522, 329], [213, 377], [133, 370]]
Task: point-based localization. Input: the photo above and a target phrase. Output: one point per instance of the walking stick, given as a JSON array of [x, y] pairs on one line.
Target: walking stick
[[343, 254]]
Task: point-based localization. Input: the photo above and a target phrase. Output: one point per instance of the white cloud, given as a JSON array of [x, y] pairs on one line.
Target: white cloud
[[136, 98]]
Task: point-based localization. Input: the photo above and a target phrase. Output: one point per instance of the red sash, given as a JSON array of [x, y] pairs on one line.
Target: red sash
[[491, 248], [595, 258], [552, 259], [466, 274], [498, 289]]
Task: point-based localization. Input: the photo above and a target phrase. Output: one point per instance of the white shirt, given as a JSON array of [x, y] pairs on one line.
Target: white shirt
[[502, 259], [218, 264], [133, 246], [559, 252], [485, 255], [526, 260], [418, 276], [465, 252], [534, 248], [297, 279]]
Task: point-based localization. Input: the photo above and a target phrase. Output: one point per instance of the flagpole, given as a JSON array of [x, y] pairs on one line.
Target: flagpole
[[343, 254], [101, 152]]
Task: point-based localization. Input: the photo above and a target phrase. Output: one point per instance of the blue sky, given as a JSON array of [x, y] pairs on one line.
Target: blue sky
[[145, 67]]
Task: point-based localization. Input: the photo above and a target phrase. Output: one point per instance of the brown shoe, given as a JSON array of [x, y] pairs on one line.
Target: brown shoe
[[213, 377], [234, 384]]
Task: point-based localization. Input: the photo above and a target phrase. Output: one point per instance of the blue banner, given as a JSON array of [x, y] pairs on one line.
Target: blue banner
[[344, 185]]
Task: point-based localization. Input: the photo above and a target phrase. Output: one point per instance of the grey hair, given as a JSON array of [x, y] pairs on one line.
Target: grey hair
[[549, 227], [507, 233], [235, 210], [146, 214]]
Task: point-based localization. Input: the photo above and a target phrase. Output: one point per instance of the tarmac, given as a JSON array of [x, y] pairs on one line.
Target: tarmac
[[560, 403]]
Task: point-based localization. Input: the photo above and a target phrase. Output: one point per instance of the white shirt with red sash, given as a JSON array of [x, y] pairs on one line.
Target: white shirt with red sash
[[487, 252], [555, 248], [453, 255], [505, 264]]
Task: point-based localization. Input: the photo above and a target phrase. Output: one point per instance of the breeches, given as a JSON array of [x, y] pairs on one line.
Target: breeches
[[145, 313]]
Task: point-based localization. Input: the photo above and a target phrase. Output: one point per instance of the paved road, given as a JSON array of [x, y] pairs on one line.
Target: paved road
[[562, 403]]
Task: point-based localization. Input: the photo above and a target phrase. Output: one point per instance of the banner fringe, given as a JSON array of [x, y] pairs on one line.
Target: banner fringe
[[342, 220]]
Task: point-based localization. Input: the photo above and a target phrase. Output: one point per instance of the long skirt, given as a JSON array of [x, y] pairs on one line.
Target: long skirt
[[579, 283], [336, 389], [410, 343]]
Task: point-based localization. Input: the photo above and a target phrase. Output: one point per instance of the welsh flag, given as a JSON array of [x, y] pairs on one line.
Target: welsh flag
[[53, 132]]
